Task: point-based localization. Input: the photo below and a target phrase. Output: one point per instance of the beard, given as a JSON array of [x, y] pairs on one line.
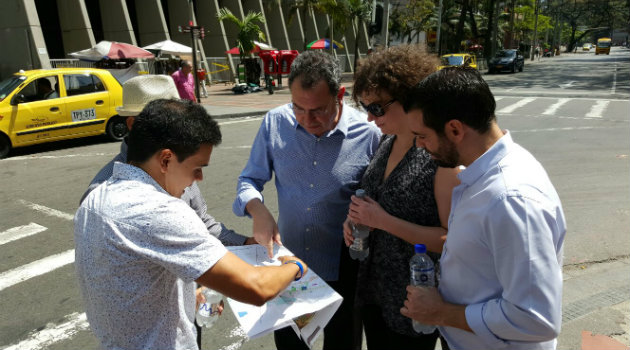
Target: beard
[[446, 155]]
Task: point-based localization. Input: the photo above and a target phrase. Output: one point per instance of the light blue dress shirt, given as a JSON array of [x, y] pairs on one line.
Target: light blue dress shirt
[[503, 254], [314, 177]]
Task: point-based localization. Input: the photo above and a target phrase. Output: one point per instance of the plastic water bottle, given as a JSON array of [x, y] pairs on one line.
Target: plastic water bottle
[[422, 274], [208, 312], [359, 250]]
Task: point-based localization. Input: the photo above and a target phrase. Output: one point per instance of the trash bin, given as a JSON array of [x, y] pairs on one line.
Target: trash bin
[[286, 59], [270, 61]]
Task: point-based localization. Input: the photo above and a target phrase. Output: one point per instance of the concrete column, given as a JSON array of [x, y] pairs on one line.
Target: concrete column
[[76, 29], [116, 23], [152, 26], [180, 14], [20, 30], [295, 28]]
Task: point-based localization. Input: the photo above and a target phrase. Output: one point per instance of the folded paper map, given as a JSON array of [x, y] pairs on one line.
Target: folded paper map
[[306, 305]]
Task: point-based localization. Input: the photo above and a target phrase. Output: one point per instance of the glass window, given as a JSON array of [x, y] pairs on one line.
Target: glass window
[[40, 89], [78, 84], [8, 85]]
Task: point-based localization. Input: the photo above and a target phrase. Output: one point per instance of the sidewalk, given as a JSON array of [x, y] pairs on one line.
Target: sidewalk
[[222, 103]]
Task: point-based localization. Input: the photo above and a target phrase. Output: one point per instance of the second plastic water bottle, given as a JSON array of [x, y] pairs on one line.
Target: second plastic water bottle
[[359, 248], [422, 274], [208, 312]]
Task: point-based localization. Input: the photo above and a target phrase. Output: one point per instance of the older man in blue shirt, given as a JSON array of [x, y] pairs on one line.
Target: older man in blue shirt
[[501, 266], [318, 148]]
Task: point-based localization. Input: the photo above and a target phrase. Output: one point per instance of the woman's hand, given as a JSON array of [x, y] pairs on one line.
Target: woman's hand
[[367, 212]]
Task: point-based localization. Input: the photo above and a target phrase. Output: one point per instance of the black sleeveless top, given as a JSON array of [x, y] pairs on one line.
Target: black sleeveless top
[[408, 193]]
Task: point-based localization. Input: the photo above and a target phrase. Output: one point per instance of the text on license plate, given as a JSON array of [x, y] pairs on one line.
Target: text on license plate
[[83, 114]]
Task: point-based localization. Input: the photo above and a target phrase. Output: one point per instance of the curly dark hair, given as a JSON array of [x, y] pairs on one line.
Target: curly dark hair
[[393, 70]]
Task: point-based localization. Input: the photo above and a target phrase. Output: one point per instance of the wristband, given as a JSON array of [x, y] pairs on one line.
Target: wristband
[[299, 264]]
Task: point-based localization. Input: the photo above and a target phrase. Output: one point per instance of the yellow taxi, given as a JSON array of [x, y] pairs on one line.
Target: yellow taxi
[[458, 59], [44, 105]]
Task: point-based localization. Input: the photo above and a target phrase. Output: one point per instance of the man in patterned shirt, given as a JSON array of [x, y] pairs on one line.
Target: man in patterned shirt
[[139, 248]]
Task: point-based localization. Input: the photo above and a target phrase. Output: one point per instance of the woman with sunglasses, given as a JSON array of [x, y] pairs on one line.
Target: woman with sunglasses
[[408, 197]]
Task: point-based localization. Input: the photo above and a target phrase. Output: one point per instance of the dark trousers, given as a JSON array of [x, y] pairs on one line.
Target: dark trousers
[[380, 337], [341, 333]]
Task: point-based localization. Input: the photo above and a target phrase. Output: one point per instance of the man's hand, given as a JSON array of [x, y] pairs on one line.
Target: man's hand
[[425, 305], [265, 228], [266, 233], [347, 232], [284, 259]]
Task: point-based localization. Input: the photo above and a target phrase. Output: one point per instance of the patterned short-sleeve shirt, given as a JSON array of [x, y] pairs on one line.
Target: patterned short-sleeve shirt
[[138, 252]]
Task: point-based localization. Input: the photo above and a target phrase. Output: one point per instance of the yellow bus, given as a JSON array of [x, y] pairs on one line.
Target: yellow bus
[[603, 46]]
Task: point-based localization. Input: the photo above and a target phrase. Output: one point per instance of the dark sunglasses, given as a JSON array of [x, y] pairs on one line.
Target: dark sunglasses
[[376, 109]]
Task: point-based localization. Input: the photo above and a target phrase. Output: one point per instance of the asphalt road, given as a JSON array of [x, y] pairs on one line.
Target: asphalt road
[[571, 112]]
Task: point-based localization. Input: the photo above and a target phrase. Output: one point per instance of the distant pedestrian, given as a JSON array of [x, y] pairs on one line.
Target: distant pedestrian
[[201, 77], [185, 81]]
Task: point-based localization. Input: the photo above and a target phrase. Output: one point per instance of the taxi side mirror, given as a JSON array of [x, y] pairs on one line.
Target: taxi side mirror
[[17, 99]]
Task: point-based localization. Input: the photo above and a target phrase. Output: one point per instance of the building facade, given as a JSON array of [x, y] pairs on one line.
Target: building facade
[[34, 32]]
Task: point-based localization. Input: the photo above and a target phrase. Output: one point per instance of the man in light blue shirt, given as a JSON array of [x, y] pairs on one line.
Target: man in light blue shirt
[[501, 267], [318, 148]]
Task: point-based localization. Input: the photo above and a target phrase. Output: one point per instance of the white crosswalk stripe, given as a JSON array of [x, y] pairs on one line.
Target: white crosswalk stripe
[[598, 109], [511, 108], [47, 211], [52, 334], [36, 268], [19, 232], [554, 107]]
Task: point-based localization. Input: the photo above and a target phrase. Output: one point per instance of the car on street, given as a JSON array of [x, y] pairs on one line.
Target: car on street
[[510, 60], [44, 105], [587, 47], [458, 59]]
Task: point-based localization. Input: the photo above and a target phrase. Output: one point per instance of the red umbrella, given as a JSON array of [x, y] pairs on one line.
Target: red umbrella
[[111, 50], [258, 46], [323, 44]]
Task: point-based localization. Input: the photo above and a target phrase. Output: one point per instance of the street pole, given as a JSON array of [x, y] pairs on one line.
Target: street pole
[[438, 46], [194, 62], [194, 26], [535, 38]]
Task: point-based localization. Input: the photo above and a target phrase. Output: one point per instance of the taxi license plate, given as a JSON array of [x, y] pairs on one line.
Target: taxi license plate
[[83, 114]]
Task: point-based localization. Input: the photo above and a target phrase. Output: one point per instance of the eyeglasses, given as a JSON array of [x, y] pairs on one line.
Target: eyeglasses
[[317, 113], [376, 109]]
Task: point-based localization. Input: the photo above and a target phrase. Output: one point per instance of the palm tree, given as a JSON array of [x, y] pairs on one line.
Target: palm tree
[[306, 8], [360, 11], [248, 30], [338, 12]]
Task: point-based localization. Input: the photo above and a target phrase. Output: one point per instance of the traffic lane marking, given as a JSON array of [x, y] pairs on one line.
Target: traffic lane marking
[[35, 268], [20, 232], [46, 210], [54, 333]]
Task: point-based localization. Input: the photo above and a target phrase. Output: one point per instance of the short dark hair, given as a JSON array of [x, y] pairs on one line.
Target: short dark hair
[[179, 125], [453, 93], [393, 70], [314, 66]]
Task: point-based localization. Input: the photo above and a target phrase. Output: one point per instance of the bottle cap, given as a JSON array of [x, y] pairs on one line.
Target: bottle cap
[[360, 193], [420, 248]]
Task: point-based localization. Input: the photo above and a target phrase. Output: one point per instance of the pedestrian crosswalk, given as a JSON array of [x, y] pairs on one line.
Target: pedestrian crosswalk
[[18, 276], [587, 108]]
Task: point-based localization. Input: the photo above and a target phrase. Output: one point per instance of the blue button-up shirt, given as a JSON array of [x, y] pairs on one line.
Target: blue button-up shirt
[[314, 177], [503, 254]]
